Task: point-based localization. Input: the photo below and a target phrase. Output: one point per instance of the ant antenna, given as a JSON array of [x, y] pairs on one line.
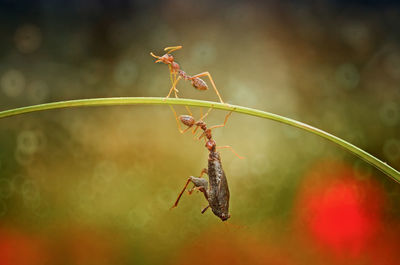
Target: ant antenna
[[172, 49]]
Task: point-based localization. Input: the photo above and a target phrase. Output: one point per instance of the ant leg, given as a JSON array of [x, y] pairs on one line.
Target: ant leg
[[222, 125], [172, 49], [232, 150], [178, 121], [174, 82], [171, 76], [201, 118], [217, 126], [173, 88], [205, 115], [212, 82]]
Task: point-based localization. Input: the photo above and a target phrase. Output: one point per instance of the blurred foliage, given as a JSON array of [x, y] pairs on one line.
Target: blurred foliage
[[94, 186]]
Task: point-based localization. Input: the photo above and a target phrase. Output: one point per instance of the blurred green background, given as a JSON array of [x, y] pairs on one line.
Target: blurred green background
[[95, 185]]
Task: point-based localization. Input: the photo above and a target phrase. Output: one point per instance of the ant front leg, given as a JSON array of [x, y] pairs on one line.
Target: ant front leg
[[232, 150], [173, 88], [201, 119], [174, 82], [217, 126], [225, 121], [212, 83]]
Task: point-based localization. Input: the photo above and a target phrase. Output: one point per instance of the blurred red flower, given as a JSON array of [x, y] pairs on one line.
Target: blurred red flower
[[339, 210], [18, 247]]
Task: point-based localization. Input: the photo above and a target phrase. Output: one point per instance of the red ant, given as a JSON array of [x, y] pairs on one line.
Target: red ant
[[215, 191], [175, 69]]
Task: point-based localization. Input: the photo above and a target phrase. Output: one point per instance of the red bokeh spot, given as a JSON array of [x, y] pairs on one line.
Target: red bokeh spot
[[21, 248], [339, 211]]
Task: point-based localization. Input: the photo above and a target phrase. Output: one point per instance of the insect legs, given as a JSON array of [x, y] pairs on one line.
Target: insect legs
[[199, 183]]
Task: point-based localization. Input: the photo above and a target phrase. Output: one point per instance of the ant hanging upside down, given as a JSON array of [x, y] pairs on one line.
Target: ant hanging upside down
[[215, 190]]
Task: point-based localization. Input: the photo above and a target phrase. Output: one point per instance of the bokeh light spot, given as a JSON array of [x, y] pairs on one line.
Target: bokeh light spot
[[27, 142], [5, 188], [38, 91], [390, 113], [347, 76], [125, 73], [391, 149], [28, 38], [203, 53], [13, 83], [392, 64]]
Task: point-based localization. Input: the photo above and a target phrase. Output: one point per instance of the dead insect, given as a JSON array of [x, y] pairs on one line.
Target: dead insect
[[175, 70], [216, 190]]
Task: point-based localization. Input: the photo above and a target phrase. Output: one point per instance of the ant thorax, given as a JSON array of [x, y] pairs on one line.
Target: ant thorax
[[175, 66]]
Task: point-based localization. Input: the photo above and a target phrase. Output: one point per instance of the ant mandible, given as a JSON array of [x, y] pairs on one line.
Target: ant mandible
[[216, 190], [175, 70]]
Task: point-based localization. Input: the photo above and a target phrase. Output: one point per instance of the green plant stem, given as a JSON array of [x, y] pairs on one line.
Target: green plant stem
[[384, 167]]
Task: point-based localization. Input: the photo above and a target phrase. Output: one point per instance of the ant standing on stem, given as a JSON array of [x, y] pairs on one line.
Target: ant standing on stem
[[176, 74], [215, 190], [175, 70]]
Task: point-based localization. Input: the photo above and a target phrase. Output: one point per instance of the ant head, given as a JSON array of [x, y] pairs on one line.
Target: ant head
[[166, 58], [187, 120], [211, 145]]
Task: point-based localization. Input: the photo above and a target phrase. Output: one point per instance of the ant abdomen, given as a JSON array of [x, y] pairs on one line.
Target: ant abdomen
[[199, 84], [187, 120]]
